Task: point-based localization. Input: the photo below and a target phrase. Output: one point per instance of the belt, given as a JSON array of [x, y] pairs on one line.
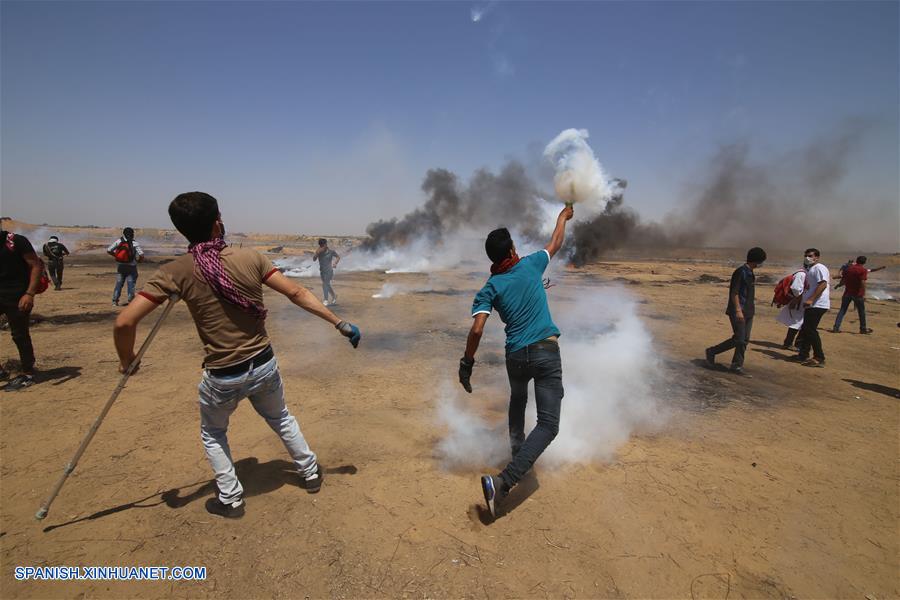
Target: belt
[[547, 344], [242, 367]]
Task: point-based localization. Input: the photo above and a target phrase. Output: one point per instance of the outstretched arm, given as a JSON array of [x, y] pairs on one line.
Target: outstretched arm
[[559, 233], [305, 299], [301, 296]]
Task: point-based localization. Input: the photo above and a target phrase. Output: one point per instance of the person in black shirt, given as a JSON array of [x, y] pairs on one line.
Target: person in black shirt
[[20, 273], [55, 253], [740, 311]]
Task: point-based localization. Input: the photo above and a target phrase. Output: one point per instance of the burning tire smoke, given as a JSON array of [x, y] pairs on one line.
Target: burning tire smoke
[[739, 202]]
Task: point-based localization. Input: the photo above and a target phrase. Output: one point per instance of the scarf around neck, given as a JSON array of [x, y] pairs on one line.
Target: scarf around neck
[[505, 265], [208, 263]]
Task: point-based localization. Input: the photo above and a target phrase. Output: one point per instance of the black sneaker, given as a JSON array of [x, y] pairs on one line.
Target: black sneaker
[[494, 490], [235, 510], [313, 483], [865, 331], [19, 382], [710, 357]]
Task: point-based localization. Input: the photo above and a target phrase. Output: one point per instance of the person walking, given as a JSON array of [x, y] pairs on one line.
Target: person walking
[[20, 276], [792, 313], [223, 288], [55, 253], [516, 291], [816, 302], [328, 259], [128, 254], [854, 280], [740, 310]]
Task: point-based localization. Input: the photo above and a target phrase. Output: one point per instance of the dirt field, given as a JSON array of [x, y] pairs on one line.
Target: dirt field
[[784, 485]]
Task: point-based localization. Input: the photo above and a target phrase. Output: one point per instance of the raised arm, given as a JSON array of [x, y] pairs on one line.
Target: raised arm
[[559, 232]]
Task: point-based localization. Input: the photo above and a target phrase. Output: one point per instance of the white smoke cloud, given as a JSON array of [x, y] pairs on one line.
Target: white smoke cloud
[[608, 368], [579, 175]]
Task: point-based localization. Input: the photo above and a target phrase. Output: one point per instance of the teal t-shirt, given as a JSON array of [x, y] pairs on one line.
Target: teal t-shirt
[[521, 301]]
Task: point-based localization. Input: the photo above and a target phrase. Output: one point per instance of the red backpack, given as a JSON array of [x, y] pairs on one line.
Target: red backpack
[[44, 281], [124, 252], [783, 294]]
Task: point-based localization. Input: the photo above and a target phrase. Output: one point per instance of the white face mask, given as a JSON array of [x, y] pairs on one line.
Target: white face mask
[[808, 261]]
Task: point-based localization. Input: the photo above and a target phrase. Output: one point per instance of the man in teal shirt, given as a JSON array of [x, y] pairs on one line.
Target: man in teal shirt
[[516, 290]]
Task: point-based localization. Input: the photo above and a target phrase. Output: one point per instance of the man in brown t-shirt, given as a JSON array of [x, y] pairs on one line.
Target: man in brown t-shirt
[[222, 287]]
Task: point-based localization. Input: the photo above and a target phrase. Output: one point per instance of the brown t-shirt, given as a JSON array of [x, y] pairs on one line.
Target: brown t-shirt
[[229, 335]]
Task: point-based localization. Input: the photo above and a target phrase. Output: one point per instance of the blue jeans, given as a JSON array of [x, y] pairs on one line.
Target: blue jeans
[[860, 304], [219, 396], [541, 362], [121, 278]]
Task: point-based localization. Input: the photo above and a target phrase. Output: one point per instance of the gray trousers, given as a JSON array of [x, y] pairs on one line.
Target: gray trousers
[[739, 339], [219, 396]]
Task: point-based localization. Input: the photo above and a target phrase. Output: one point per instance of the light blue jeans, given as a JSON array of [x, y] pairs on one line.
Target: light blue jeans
[[121, 278], [219, 396]]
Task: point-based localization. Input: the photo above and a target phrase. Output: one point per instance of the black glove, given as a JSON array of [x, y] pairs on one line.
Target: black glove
[[465, 372]]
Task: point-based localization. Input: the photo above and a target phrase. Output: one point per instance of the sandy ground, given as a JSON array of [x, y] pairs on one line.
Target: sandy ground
[[784, 485]]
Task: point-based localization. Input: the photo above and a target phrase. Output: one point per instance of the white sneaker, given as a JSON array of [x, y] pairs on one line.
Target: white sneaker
[[325, 303]]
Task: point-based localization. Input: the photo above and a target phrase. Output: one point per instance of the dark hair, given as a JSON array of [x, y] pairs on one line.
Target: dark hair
[[861, 260], [128, 232], [194, 214], [323, 242], [756, 255], [498, 244], [813, 250]]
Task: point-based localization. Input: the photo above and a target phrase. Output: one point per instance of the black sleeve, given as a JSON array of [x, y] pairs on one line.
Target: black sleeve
[[735, 287], [22, 245], [64, 249]]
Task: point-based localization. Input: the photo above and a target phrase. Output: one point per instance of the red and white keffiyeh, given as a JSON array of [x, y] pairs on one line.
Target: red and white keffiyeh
[[208, 262]]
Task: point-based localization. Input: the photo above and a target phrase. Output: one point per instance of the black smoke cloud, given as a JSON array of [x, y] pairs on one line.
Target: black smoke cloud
[[489, 200], [783, 202]]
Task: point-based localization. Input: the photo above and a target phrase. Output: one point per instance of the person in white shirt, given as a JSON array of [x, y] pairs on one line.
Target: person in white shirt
[[792, 313], [816, 302]]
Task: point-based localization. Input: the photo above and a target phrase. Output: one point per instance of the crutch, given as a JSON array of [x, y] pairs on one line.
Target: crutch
[[45, 508]]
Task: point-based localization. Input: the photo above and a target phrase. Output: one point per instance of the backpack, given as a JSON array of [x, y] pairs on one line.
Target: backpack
[[44, 281], [783, 294], [124, 252]]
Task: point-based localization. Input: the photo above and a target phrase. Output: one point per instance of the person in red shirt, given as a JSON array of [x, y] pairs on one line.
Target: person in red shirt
[[854, 291]]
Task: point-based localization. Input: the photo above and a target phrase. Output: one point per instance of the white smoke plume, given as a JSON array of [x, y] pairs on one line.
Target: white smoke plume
[[579, 175], [608, 370]]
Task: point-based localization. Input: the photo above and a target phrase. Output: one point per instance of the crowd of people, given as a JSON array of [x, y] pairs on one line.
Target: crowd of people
[[223, 288], [804, 297]]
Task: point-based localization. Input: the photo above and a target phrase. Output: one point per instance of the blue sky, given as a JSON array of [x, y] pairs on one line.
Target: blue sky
[[321, 117]]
